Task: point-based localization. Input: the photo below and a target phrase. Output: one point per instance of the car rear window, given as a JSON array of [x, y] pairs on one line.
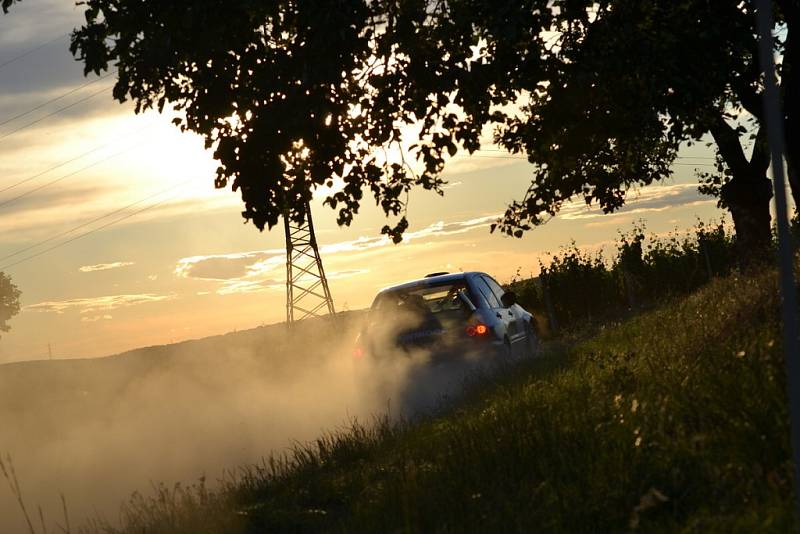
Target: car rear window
[[440, 298], [487, 293], [496, 288]]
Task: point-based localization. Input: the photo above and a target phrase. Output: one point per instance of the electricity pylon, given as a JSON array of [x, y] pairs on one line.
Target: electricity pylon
[[307, 293]]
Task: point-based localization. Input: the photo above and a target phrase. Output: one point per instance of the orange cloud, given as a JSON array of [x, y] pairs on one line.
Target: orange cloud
[[96, 304], [104, 266]]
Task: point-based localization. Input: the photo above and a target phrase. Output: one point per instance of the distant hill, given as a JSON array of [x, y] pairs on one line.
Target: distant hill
[[76, 377]]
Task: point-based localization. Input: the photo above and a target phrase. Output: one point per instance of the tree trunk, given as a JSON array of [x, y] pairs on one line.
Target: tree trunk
[[747, 198], [748, 193]]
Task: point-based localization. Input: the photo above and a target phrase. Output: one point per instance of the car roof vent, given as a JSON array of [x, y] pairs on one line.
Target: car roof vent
[[436, 274]]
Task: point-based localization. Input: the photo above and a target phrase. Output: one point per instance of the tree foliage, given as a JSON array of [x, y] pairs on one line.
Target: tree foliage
[[625, 88], [599, 95], [9, 301], [289, 94], [6, 4], [633, 81], [292, 94]]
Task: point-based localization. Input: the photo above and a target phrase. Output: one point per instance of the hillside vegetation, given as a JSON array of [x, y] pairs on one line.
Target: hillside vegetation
[[673, 420], [576, 286]]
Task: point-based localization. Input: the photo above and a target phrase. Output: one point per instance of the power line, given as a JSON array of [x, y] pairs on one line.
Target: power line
[[32, 50], [64, 177], [56, 112], [89, 232], [56, 99], [87, 223], [71, 160]]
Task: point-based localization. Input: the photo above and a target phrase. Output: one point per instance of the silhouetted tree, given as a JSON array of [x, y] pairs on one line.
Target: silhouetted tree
[[9, 301], [6, 4], [629, 82], [598, 95]]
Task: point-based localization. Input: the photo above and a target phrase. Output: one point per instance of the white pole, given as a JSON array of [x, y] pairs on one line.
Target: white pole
[[774, 121]]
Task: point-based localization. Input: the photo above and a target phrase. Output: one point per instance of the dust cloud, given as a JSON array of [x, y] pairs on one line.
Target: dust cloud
[[97, 430]]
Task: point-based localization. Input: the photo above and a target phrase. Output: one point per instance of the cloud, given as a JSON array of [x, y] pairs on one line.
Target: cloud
[[649, 199], [451, 185], [221, 267], [104, 266], [466, 164], [97, 304], [231, 287], [237, 266], [437, 229], [30, 25], [14, 202], [250, 266], [255, 271], [441, 228], [87, 104], [96, 318], [346, 273], [44, 212]]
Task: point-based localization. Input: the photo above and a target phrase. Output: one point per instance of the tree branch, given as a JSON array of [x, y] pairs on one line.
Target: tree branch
[[730, 147], [743, 85], [749, 98], [5, 4], [759, 160]]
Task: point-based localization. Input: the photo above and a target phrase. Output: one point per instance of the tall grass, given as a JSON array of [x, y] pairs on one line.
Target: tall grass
[[577, 286], [10, 476]]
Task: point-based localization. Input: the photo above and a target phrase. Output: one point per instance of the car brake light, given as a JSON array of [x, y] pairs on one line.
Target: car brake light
[[479, 329]]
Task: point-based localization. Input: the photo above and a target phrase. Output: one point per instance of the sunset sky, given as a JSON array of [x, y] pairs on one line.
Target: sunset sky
[[169, 257]]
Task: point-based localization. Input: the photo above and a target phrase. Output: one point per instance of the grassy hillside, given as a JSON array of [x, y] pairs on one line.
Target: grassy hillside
[[674, 420]]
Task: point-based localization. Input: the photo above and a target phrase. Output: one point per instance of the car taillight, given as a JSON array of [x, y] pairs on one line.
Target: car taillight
[[475, 330]]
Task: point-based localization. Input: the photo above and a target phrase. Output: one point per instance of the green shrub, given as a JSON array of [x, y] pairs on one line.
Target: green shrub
[[576, 286]]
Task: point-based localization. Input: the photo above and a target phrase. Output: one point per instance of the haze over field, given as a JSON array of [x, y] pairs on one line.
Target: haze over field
[[98, 429]]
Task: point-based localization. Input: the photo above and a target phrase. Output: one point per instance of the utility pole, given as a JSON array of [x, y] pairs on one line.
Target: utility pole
[[791, 343], [307, 292]]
